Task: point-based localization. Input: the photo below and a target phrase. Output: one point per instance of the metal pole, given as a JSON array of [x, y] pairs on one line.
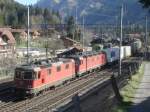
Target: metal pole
[[121, 35], [28, 34], [76, 15], [76, 19], [46, 29], [83, 32], [146, 37]]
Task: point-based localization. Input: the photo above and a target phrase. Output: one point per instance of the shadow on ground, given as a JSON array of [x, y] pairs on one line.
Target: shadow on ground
[[144, 106]]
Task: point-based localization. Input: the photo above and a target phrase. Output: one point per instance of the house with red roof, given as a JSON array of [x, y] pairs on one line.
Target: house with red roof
[[7, 42]]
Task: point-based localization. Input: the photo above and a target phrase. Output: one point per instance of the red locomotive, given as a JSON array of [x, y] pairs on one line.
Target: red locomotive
[[88, 61], [33, 78]]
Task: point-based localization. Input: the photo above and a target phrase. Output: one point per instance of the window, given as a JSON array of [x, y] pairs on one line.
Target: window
[[67, 66], [39, 75], [27, 75], [18, 74], [35, 75], [58, 68], [81, 62], [49, 71]]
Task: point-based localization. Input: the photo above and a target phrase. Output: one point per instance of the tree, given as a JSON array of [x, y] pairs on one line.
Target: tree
[[46, 15], [22, 16], [15, 14], [12, 19], [70, 27], [146, 3], [38, 11]]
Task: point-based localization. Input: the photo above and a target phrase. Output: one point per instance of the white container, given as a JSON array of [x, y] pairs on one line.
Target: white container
[[127, 51], [122, 52]]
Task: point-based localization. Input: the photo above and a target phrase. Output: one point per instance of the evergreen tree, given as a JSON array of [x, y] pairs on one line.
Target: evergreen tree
[[12, 19], [146, 3], [38, 11], [15, 14], [46, 15], [70, 27]]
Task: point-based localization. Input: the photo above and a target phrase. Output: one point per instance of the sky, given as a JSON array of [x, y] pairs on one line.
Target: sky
[[27, 2]]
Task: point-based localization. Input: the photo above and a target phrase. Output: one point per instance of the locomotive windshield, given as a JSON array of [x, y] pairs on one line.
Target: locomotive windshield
[[26, 75]]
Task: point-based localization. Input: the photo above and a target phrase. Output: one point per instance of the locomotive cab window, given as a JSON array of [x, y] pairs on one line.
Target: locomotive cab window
[[39, 75], [67, 66], [27, 75], [17, 74], [81, 62], [35, 75], [58, 68]]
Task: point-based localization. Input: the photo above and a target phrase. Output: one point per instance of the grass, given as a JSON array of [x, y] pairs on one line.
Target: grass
[[128, 92]]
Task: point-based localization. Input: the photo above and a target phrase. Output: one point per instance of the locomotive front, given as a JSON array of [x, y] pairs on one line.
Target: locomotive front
[[24, 79]]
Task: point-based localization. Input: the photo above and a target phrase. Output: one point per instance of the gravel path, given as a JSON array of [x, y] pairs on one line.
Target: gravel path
[[142, 97]]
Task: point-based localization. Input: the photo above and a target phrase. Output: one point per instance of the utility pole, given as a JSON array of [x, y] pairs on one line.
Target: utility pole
[[46, 37], [28, 36], [116, 29], [76, 15], [146, 37], [83, 31], [121, 35], [76, 19]]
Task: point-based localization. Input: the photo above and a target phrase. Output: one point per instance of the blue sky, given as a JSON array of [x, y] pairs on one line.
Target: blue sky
[[27, 2]]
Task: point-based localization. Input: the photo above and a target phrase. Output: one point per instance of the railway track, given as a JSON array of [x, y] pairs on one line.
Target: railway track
[[50, 99], [23, 105], [4, 80], [6, 85], [50, 104]]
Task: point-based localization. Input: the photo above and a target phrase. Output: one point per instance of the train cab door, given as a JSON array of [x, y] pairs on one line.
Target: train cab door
[[43, 80]]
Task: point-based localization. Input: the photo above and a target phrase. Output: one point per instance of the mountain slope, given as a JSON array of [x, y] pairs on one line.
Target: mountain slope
[[14, 14], [97, 11]]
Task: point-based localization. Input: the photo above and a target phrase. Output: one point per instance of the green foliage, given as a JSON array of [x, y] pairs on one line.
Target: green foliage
[[11, 19], [146, 3], [128, 92], [73, 31], [97, 47], [15, 15], [46, 15], [70, 26]]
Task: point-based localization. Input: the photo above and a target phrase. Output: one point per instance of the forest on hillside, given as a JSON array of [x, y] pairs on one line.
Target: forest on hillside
[[15, 15]]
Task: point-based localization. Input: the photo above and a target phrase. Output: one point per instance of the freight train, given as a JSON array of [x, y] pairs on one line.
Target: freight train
[[38, 76]]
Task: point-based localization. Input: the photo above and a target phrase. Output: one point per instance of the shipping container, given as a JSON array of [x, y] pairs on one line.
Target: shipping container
[[127, 51], [136, 46], [112, 54]]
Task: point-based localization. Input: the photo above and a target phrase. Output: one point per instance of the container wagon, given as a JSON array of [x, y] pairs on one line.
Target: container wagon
[[112, 54]]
